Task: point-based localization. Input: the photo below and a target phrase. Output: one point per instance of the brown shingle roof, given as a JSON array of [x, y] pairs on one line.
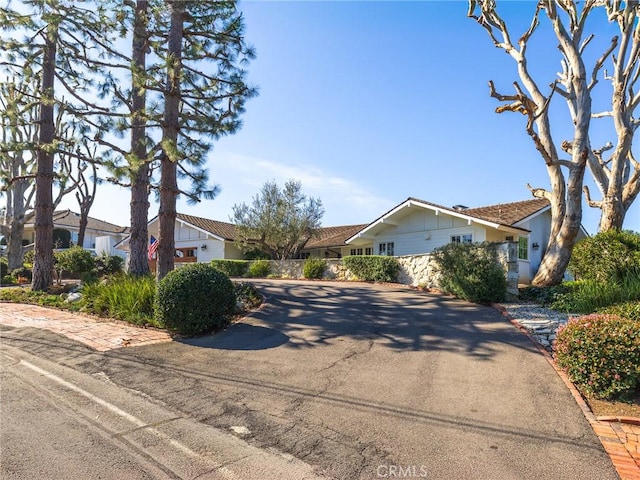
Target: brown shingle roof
[[508, 213], [220, 229], [67, 218], [333, 236]]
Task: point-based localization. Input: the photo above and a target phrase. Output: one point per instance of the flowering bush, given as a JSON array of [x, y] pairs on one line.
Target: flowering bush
[[601, 354]]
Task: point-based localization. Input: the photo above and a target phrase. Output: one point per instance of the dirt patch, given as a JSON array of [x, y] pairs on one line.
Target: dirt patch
[[615, 408]]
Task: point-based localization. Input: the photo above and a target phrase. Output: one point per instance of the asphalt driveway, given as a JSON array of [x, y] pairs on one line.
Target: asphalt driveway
[[372, 381]]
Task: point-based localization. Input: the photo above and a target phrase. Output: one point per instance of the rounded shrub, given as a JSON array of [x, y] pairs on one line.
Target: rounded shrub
[[471, 272], [75, 260], [259, 269], [314, 268], [607, 256], [601, 354], [108, 264], [194, 299]]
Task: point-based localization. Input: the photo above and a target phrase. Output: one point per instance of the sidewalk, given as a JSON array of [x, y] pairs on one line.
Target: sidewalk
[[101, 335]]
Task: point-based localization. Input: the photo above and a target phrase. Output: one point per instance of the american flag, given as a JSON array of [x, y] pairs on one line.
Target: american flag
[[153, 246]]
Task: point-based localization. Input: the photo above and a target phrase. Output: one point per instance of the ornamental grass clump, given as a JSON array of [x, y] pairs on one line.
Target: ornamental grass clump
[[124, 297], [601, 354], [195, 299]]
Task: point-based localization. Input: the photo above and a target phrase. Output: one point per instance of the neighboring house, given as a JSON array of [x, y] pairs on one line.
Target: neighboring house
[[99, 236], [416, 226], [330, 242], [197, 240]]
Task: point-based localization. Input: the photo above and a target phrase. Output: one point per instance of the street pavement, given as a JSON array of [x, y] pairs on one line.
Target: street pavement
[[363, 381]]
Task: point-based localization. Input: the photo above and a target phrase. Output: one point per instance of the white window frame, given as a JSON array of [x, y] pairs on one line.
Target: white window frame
[[464, 238]]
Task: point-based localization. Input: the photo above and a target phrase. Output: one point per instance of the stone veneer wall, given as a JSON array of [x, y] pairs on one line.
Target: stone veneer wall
[[415, 270]]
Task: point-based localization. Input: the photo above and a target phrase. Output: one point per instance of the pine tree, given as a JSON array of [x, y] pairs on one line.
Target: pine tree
[[203, 97], [60, 46]]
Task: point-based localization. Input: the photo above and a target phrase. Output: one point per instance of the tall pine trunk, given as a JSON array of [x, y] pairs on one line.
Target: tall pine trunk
[[43, 259], [139, 205], [169, 160]]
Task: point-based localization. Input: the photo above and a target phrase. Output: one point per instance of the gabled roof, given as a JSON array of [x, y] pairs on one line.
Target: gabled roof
[[333, 236], [510, 213], [471, 215], [223, 230], [67, 218]]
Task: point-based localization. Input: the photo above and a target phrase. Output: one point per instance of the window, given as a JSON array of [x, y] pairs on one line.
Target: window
[[523, 248], [386, 249], [368, 251], [468, 238], [186, 254], [357, 251]]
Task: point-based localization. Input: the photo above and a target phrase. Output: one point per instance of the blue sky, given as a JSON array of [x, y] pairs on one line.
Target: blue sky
[[368, 103]]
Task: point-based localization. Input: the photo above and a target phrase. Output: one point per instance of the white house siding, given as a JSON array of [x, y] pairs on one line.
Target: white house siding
[[187, 237], [540, 228], [231, 252], [422, 232], [214, 250]]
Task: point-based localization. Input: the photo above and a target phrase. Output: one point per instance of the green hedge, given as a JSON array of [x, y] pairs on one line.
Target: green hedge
[[630, 310], [601, 354], [373, 268], [471, 272], [607, 256], [232, 268]]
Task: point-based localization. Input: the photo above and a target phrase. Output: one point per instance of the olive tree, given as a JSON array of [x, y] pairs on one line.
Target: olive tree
[[278, 222]]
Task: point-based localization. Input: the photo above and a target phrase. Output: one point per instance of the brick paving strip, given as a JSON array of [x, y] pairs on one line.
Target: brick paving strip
[[101, 335], [620, 436]]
